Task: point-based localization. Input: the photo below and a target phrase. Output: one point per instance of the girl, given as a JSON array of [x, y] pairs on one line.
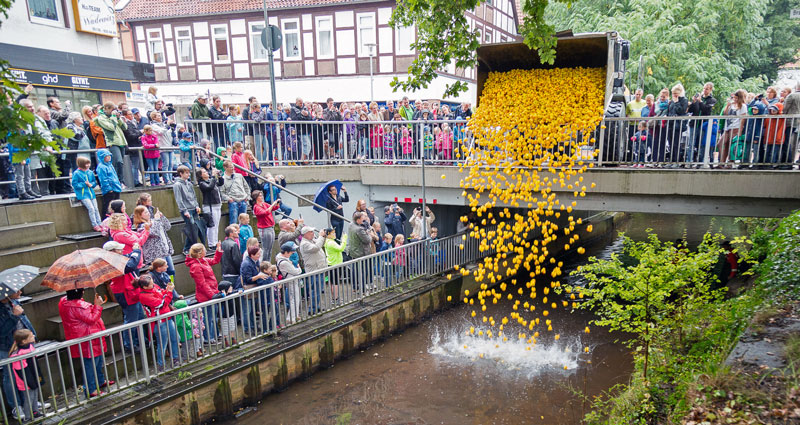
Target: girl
[[157, 302], [291, 146], [736, 106], [362, 135], [445, 143], [252, 165], [235, 130], [212, 203], [350, 133], [266, 223], [83, 184], [25, 377], [388, 145], [427, 144], [400, 260], [164, 134], [151, 153], [189, 329], [406, 145], [375, 132]]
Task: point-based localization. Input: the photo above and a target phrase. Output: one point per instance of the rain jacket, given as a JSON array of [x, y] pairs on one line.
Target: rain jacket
[[234, 187], [10, 323], [263, 213], [775, 128], [109, 182], [205, 282], [150, 145], [81, 319], [83, 184], [184, 323], [218, 162], [184, 195], [25, 367], [199, 111], [112, 129], [155, 302], [124, 284], [334, 250], [312, 253], [238, 159]]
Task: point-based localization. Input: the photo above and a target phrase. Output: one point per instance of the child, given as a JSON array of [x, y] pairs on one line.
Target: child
[[83, 184], [190, 327], [427, 144], [227, 313], [185, 145], [151, 153], [350, 133], [272, 192], [362, 134], [639, 141], [28, 386], [238, 159], [406, 145], [235, 130], [109, 182], [400, 257], [245, 231], [388, 145], [444, 143], [252, 165], [291, 147], [221, 151], [158, 271], [376, 141]]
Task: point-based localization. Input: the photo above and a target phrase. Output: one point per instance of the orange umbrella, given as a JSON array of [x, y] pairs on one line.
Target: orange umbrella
[[85, 268]]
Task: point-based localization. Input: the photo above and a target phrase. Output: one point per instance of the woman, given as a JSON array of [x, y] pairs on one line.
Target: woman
[[736, 106], [164, 134], [333, 252], [375, 132], [659, 132], [678, 106], [156, 301], [151, 98], [81, 319], [157, 244], [205, 282], [251, 164], [124, 235], [361, 206], [212, 205], [266, 221]]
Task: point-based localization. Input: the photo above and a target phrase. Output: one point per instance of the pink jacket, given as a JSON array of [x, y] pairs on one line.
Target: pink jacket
[[20, 366], [408, 144], [238, 159], [150, 145], [445, 141], [129, 238]]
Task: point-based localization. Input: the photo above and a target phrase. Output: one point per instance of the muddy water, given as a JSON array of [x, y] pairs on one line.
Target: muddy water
[[434, 373]]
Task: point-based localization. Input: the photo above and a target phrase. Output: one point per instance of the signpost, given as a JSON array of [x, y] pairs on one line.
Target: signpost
[[268, 43]]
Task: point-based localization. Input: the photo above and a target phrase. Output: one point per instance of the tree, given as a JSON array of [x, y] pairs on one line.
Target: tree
[[783, 34], [649, 298], [444, 38]]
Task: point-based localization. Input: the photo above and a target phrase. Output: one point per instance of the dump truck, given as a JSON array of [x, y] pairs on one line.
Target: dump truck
[[589, 50]]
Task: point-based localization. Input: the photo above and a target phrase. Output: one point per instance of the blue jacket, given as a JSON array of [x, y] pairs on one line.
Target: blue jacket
[[248, 270], [394, 224], [83, 190], [245, 233], [8, 324], [109, 182], [185, 145], [273, 192]]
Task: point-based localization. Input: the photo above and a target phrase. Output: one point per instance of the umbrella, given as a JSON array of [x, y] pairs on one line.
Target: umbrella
[[13, 279], [85, 268], [322, 196]]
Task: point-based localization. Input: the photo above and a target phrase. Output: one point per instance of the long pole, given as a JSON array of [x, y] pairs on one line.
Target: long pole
[[271, 55], [424, 200]]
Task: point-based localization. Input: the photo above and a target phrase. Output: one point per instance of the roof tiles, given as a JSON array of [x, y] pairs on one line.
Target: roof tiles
[[159, 9]]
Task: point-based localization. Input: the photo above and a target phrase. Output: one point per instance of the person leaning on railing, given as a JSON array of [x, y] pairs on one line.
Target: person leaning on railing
[[157, 301], [80, 319], [205, 281]]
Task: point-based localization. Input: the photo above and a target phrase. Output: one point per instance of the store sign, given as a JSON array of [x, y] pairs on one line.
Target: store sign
[[52, 79], [95, 16]]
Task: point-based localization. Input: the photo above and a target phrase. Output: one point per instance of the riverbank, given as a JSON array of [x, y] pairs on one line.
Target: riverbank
[[738, 358]]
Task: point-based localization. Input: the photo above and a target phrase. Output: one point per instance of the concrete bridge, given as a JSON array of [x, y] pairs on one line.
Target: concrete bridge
[[739, 193]]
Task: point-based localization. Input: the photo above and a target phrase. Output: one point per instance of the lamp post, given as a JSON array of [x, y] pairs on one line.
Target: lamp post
[[371, 46]]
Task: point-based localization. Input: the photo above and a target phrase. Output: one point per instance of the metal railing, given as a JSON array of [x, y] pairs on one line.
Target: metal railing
[[733, 141], [69, 372]]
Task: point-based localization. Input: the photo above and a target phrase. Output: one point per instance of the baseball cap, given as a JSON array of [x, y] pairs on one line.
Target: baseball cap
[[113, 245], [135, 111], [306, 229], [289, 247], [202, 96], [186, 135]]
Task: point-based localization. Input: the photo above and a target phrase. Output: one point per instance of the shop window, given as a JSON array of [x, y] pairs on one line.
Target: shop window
[[46, 12], [220, 43], [156, 45], [183, 38], [324, 37], [291, 39]]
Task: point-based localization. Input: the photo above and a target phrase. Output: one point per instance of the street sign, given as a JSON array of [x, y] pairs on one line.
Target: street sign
[[277, 38], [794, 14]]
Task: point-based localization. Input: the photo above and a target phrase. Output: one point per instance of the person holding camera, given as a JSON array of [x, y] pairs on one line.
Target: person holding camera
[[701, 106], [334, 203], [314, 259], [417, 221], [394, 219]]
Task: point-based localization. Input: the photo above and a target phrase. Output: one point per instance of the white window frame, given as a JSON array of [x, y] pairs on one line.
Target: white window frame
[[59, 23], [399, 48], [214, 43], [160, 40], [255, 42], [178, 39], [318, 30], [286, 56], [362, 50]]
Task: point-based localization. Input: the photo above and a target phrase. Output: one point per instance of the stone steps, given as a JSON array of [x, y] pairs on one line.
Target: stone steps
[[27, 234]]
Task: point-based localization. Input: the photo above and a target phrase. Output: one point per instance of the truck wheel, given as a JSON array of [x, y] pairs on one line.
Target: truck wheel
[[614, 146]]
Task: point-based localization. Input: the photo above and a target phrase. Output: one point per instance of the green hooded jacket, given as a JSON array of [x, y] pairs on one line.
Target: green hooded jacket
[[217, 161], [183, 322]]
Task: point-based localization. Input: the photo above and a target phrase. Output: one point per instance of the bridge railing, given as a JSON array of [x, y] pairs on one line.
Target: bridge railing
[[713, 141], [66, 375]]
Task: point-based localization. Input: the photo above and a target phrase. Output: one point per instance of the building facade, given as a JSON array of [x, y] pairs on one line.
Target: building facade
[[214, 46], [70, 50]]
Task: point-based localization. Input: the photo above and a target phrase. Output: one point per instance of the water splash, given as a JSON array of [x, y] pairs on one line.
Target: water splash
[[456, 347]]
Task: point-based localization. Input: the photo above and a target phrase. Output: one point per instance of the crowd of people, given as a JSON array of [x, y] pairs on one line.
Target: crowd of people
[[752, 131]]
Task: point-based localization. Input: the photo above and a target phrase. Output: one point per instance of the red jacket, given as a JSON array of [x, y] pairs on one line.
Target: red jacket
[[205, 282], [80, 319], [263, 212], [155, 301], [238, 159], [129, 238]]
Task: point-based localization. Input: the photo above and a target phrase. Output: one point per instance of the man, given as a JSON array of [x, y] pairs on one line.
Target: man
[[12, 318], [199, 111], [388, 113], [124, 293], [332, 130], [359, 236], [791, 106], [22, 169], [416, 222], [133, 139], [231, 254], [166, 111], [301, 113], [113, 130], [186, 199], [140, 119], [635, 105], [701, 106], [406, 111], [58, 113], [44, 124], [249, 129], [314, 259], [465, 111], [394, 217], [235, 191], [289, 231], [334, 203]]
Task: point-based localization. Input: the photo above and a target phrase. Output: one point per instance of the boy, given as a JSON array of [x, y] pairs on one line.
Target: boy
[[185, 144], [245, 231], [227, 313], [186, 198], [110, 185], [639, 141], [83, 184]]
